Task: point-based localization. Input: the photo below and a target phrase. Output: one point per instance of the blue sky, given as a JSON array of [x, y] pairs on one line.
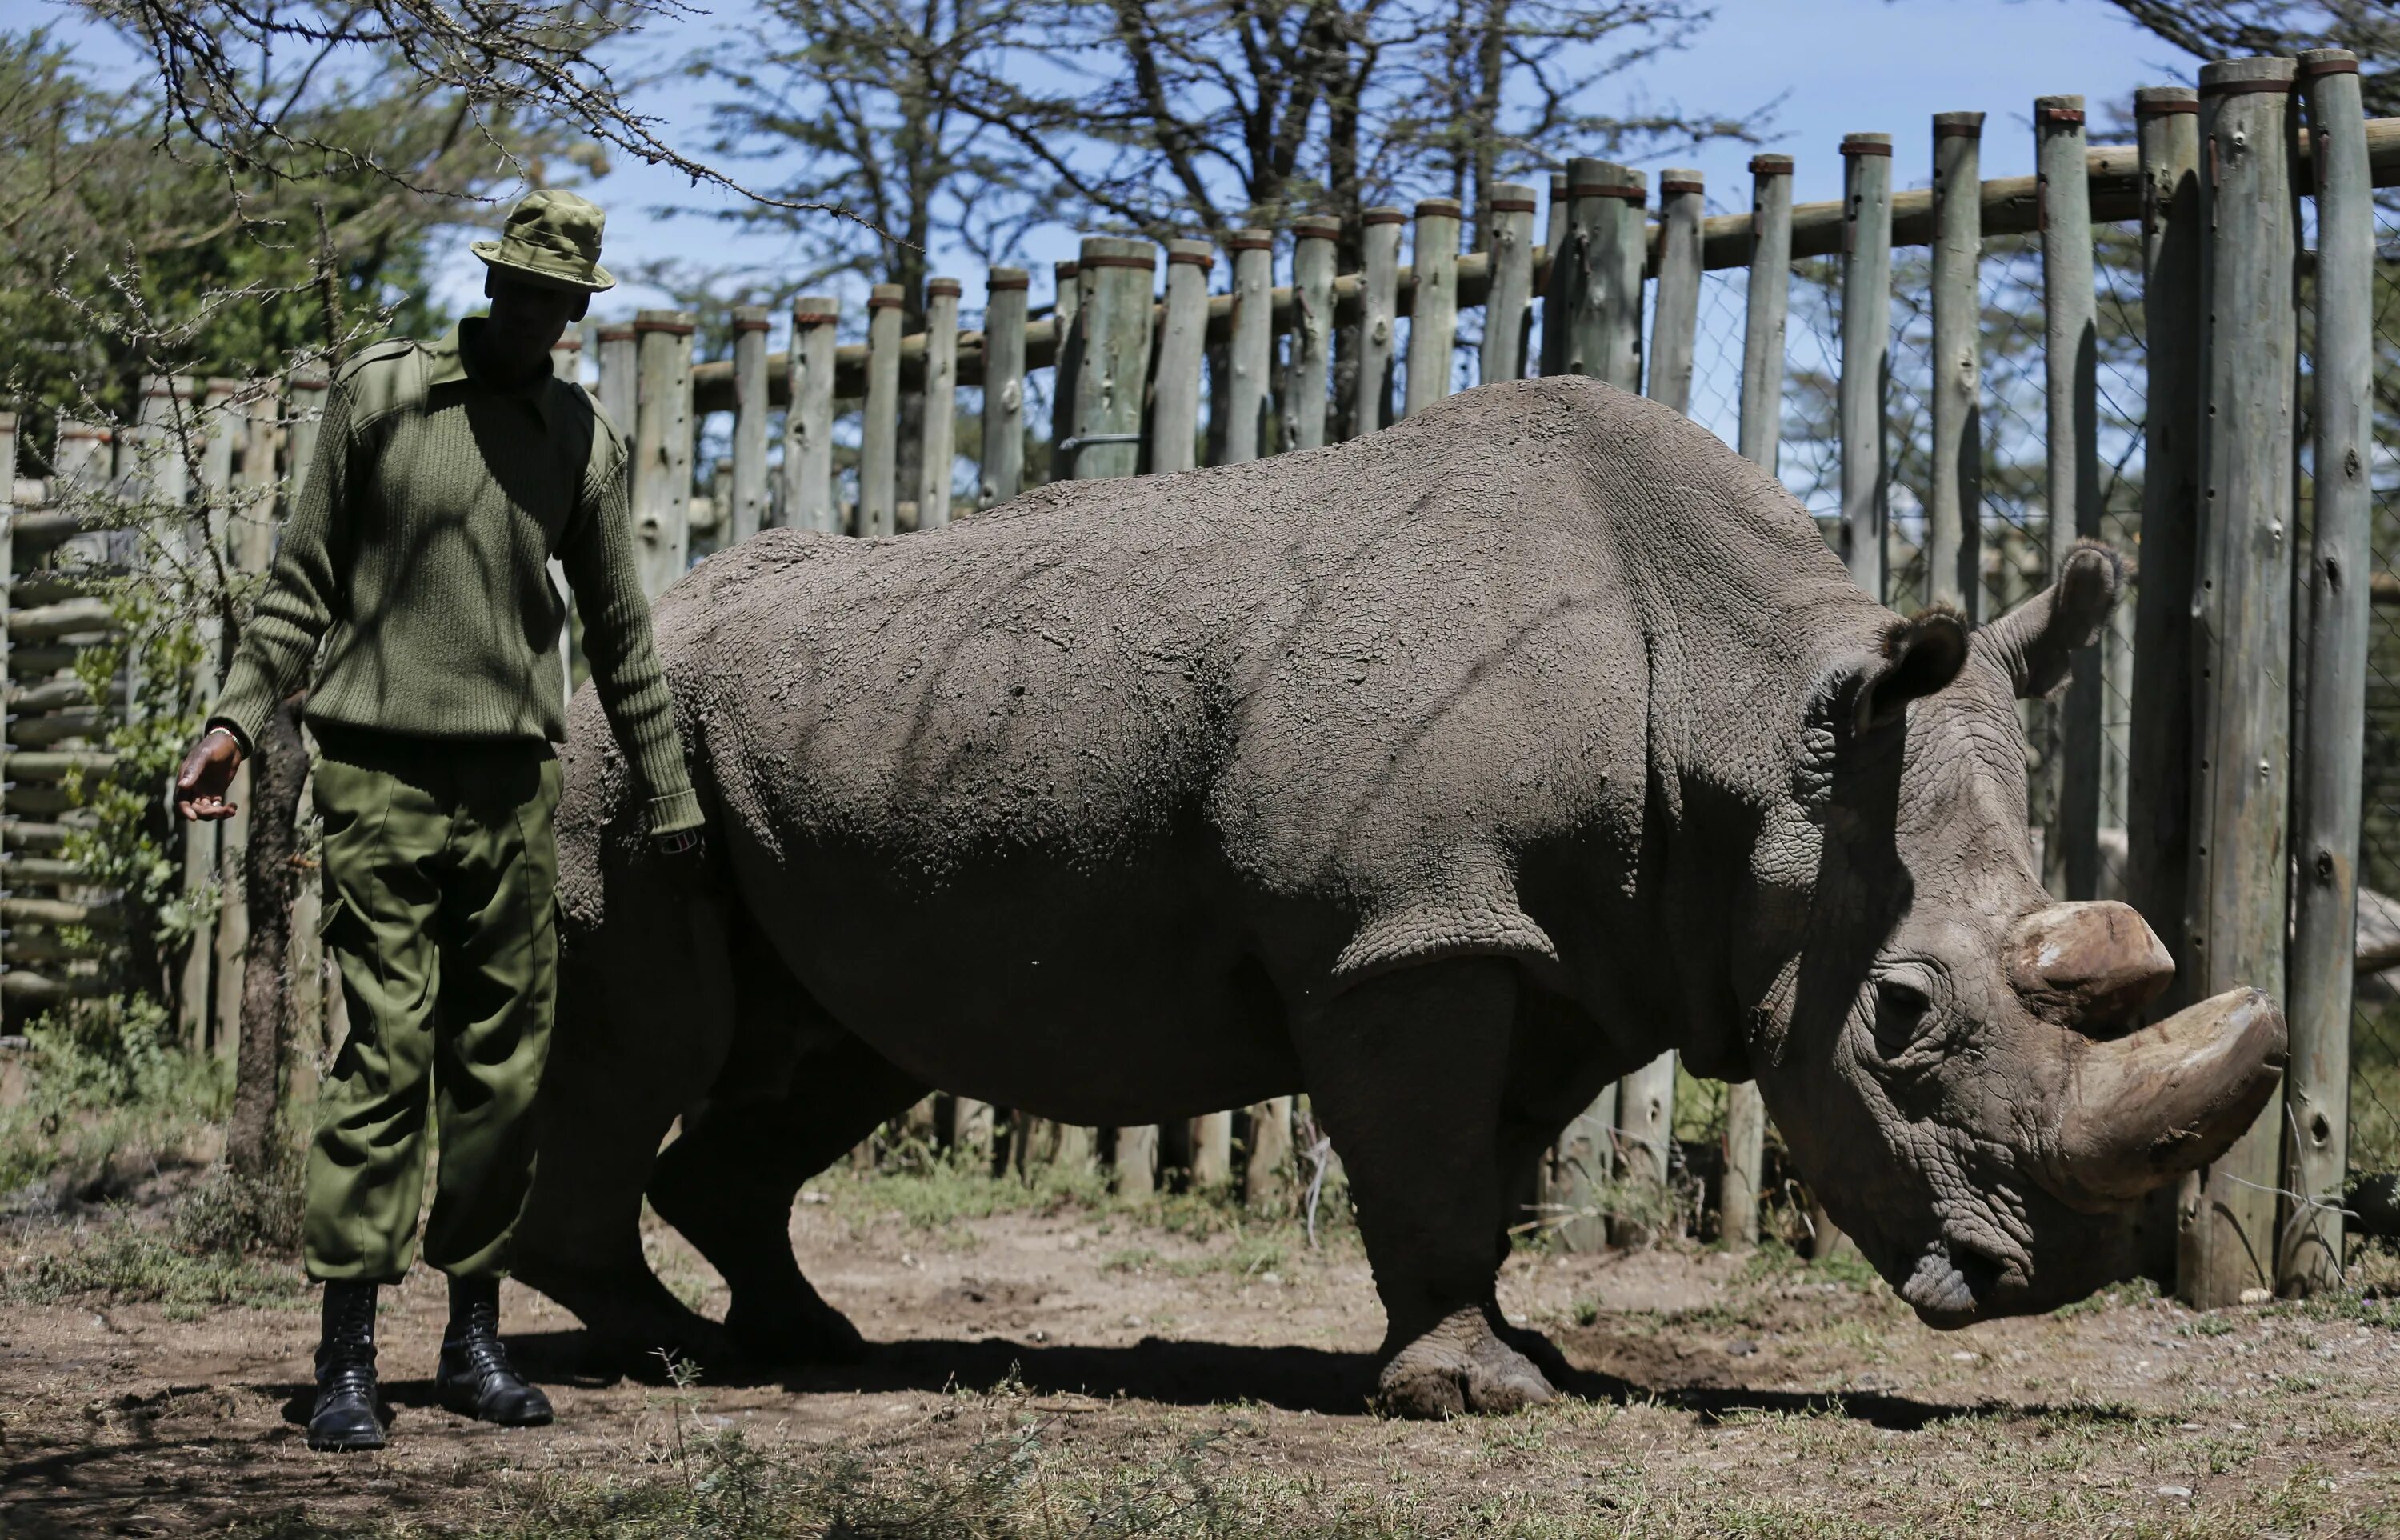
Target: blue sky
[[1841, 65]]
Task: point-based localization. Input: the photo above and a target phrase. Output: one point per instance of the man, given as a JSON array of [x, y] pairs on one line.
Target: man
[[445, 476]]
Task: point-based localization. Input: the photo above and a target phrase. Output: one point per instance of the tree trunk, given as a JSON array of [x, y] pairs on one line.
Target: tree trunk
[[277, 775]]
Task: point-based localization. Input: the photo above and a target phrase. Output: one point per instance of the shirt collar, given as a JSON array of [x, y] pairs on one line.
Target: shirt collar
[[446, 365]]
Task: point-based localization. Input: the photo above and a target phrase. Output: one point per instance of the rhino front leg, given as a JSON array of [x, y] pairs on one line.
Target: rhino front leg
[[1408, 1072]]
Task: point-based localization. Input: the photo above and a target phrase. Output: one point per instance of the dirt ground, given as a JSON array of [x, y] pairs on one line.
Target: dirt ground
[[1225, 1375]]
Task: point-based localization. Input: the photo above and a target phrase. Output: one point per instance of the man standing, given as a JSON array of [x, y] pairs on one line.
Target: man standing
[[446, 474]]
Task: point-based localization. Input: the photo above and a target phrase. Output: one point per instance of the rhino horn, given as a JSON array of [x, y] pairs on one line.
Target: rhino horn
[[2090, 966], [2141, 1109]]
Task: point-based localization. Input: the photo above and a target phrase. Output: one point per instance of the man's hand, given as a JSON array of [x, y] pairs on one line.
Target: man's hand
[[207, 775]]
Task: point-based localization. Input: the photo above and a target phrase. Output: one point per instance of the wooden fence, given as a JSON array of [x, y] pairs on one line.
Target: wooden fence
[[2217, 781]]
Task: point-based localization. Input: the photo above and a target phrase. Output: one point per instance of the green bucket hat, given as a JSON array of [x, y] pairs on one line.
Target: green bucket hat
[[551, 237]]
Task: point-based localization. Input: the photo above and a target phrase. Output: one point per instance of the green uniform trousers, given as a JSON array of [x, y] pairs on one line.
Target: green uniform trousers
[[441, 875]]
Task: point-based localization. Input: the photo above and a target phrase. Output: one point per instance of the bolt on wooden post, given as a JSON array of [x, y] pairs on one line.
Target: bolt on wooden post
[[662, 446], [2328, 764], [808, 415], [2241, 633], [1002, 463], [1433, 303], [937, 460], [2069, 793], [1182, 348], [1954, 543], [1866, 355]]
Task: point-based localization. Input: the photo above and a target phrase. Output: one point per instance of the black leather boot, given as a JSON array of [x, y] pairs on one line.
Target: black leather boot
[[347, 1415], [475, 1377]]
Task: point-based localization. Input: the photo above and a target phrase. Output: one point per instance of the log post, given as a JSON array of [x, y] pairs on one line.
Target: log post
[[1769, 304], [748, 514], [1866, 354], [1433, 309], [566, 358], [1379, 313], [662, 446], [224, 420], [1250, 353], [1004, 385], [1581, 1166], [1954, 557], [1064, 365], [1314, 239], [1267, 1167], [1212, 1150], [2241, 631], [618, 370], [1182, 345], [2070, 762], [937, 460], [1675, 315], [2327, 779], [1509, 301], [1133, 1162], [1591, 316], [808, 415], [879, 443], [1115, 277]]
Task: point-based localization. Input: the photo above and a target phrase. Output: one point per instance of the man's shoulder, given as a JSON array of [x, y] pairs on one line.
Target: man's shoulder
[[382, 378]]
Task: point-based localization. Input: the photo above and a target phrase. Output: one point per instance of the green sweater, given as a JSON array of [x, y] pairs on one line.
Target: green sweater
[[418, 556]]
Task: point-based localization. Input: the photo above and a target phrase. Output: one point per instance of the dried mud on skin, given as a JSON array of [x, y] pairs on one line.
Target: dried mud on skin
[[1710, 1397]]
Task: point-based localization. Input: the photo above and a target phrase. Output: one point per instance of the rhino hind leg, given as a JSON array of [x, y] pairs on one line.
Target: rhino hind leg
[[728, 1182], [1408, 1072]]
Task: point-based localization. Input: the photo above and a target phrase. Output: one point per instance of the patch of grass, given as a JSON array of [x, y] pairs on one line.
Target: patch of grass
[[2132, 1291], [2214, 1324], [123, 1261]]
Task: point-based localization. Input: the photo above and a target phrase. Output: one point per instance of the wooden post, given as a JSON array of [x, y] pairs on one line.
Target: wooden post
[[971, 1129], [1212, 1150], [1433, 309], [1585, 1160], [1064, 367], [1251, 351], [1769, 303], [1591, 317], [2241, 631], [1675, 316], [618, 370], [222, 420], [662, 446], [567, 359], [1182, 341], [251, 534], [1133, 1162], [2327, 777], [1268, 1170], [879, 445], [1379, 310], [1866, 354], [84, 451], [1313, 256], [1761, 435], [808, 415], [2070, 794], [1954, 557], [1115, 277], [748, 514], [1004, 385], [1510, 298], [938, 461]]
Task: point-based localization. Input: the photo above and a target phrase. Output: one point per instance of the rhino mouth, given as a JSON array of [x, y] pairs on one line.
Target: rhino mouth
[[1957, 1284]]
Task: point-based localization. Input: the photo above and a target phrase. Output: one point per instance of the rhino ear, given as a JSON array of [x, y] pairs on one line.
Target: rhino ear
[[1918, 656], [2034, 643]]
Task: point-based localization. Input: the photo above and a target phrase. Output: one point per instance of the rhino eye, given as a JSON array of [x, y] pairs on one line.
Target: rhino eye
[[1901, 1011]]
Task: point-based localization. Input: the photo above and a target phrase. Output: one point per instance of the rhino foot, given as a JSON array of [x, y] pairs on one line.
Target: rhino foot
[[1458, 1367], [631, 1312], [794, 1327]]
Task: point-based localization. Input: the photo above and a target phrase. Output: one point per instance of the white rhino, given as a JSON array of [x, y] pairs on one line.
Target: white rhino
[[1444, 776]]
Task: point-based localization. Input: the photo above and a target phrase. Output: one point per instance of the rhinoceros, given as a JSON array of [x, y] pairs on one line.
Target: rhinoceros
[[1443, 776]]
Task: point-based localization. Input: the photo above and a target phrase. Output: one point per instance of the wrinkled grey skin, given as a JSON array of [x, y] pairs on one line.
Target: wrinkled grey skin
[[1444, 776]]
